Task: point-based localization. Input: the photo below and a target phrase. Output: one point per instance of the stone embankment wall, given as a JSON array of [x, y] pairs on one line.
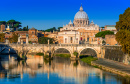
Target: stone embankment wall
[[115, 53]]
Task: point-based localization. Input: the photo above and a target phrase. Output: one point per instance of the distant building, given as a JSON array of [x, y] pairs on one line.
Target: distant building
[[110, 40], [2, 28], [22, 35], [33, 35], [111, 28]]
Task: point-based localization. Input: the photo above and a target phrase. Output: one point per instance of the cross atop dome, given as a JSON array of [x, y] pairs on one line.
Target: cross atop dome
[[81, 8]]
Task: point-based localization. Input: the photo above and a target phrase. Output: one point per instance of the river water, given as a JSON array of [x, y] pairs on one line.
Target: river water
[[36, 70]]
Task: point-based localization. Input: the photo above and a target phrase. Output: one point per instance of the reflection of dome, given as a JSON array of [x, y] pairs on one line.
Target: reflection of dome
[[81, 14]]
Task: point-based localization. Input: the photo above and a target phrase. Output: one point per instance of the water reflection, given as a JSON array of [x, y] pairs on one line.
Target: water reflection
[[59, 70]]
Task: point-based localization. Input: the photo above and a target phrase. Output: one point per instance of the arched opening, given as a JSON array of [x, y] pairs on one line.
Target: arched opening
[[33, 51], [62, 52], [88, 52]]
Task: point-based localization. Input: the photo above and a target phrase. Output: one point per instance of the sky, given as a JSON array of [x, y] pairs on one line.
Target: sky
[[44, 14]]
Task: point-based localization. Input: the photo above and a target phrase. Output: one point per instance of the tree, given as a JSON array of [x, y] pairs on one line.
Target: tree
[[12, 22], [27, 27], [51, 29], [123, 34], [103, 33], [123, 38], [17, 25], [44, 40], [2, 22], [124, 21], [59, 28]]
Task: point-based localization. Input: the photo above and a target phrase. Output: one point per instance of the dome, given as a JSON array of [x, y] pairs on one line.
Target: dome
[[81, 14], [70, 22]]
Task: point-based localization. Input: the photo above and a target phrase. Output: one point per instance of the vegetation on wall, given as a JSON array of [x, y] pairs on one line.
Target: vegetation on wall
[[2, 37], [14, 38], [123, 34], [44, 40], [103, 33], [75, 53]]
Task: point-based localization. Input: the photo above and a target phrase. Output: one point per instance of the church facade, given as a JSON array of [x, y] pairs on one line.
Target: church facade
[[79, 31]]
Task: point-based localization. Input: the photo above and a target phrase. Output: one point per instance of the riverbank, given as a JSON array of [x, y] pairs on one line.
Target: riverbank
[[112, 66], [63, 55], [88, 59]]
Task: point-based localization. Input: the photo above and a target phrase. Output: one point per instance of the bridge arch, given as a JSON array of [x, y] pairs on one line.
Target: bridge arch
[[62, 50], [35, 50], [89, 51]]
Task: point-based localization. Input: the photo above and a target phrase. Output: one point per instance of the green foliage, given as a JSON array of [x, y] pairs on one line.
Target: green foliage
[[75, 53], [40, 54], [88, 59], [11, 22], [2, 22], [123, 38], [124, 21], [59, 28], [103, 33], [51, 29], [123, 34], [2, 37], [63, 55], [30, 42], [14, 24], [17, 25], [103, 42], [44, 40], [24, 29]]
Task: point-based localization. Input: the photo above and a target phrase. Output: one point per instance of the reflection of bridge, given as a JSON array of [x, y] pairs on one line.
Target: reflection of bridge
[[54, 48]]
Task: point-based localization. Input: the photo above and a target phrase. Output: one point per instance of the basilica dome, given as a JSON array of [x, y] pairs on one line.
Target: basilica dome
[[81, 14]]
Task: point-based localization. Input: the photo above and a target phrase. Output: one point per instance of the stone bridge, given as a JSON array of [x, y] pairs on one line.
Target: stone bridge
[[82, 49]]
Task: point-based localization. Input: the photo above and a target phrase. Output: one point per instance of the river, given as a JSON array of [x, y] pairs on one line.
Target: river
[[36, 70]]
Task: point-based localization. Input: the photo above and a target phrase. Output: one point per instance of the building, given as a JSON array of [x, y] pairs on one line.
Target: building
[[79, 31], [111, 28], [110, 40], [2, 28], [32, 33], [22, 35]]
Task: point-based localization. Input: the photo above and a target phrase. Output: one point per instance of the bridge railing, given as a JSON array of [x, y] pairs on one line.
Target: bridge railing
[[78, 45]]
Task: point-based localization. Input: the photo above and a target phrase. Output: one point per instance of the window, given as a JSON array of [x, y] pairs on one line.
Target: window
[[81, 33], [65, 40], [76, 40], [81, 38]]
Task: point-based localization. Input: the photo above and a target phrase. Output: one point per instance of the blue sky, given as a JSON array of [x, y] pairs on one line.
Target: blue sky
[[44, 14]]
